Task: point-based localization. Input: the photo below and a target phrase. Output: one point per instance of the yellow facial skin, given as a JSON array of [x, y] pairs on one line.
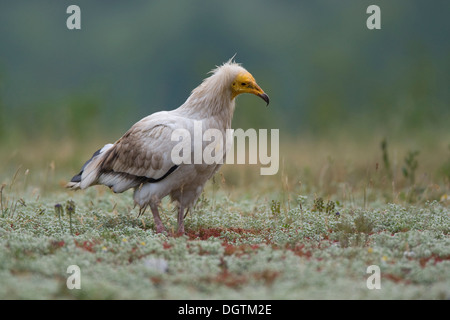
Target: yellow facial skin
[[245, 83]]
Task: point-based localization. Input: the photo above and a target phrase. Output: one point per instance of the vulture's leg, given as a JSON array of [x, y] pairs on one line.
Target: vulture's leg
[[159, 225], [180, 219]]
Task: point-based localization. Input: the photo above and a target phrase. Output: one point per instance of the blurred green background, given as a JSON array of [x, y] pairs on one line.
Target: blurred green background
[[324, 71]]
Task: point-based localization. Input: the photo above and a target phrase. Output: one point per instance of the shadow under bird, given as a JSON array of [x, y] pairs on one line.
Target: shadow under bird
[[141, 158]]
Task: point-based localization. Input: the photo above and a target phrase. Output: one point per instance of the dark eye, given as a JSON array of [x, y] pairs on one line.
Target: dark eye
[[243, 84]]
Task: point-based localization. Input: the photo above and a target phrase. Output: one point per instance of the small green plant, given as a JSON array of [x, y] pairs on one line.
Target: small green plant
[[8, 207], [70, 209], [203, 202], [363, 224], [275, 207], [386, 162], [318, 205], [59, 211], [410, 167], [356, 233], [302, 201], [331, 206]]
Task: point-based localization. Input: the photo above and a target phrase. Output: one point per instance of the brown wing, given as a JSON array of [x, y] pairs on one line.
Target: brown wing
[[141, 155], [141, 152]]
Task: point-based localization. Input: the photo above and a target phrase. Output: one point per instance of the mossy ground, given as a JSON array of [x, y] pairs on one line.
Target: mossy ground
[[271, 240]]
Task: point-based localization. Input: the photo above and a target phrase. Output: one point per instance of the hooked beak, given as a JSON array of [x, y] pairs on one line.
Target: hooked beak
[[245, 83], [256, 90], [265, 97]]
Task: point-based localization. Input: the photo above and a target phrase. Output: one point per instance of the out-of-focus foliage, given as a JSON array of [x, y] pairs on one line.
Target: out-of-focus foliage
[[323, 69]]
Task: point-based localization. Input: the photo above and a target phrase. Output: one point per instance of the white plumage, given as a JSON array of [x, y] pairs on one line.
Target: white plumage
[[141, 158]]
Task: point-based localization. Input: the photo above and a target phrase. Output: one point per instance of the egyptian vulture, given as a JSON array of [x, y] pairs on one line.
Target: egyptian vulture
[[142, 158]]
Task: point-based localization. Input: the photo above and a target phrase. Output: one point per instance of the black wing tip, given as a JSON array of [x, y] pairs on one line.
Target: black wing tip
[[77, 178]]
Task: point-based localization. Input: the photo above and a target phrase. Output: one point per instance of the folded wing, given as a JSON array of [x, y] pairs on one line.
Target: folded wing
[[142, 155]]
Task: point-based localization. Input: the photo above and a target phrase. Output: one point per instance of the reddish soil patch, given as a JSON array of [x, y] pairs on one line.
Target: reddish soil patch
[[206, 233]]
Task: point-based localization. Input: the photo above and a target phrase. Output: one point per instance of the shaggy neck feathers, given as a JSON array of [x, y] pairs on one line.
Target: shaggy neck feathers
[[213, 98]]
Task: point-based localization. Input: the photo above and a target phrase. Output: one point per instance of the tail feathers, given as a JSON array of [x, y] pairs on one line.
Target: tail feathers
[[119, 182], [73, 185], [86, 176]]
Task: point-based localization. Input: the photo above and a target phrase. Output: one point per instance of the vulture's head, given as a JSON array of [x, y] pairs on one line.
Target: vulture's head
[[230, 80], [245, 83]]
